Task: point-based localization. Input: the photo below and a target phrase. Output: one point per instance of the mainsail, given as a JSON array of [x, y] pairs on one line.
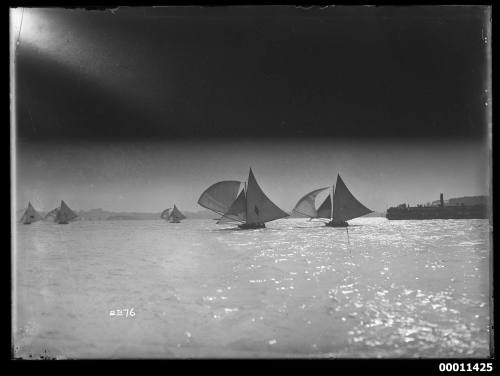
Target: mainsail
[[220, 196], [30, 215], [176, 215], [260, 208], [345, 205], [65, 214], [306, 206], [237, 211], [325, 210]]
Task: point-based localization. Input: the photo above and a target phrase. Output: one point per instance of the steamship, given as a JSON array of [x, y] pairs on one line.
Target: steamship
[[464, 208]]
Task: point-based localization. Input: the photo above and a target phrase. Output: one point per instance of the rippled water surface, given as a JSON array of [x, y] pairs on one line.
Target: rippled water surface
[[294, 289]]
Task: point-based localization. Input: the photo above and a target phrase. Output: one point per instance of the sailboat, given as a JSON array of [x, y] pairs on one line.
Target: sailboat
[[252, 208], [164, 214], [344, 208], [176, 216], [30, 215], [62, 215]]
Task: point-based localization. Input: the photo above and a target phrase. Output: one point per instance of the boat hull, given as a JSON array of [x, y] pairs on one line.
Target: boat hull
[[438, 212], [250, 226], [337, 224]]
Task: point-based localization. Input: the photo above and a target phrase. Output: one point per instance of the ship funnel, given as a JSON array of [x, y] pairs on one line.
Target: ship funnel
[[441, 200]]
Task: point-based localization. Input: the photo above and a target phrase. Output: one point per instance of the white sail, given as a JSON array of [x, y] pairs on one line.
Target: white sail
[[165, 214], [30, 215], [325, 210], [260, 208], [305, 206], [345, 205], [237, 211], [65, 214], [219, 196], [52, 214]]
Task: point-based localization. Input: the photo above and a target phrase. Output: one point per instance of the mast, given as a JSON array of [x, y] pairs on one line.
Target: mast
[[246, 202], [333, 198]]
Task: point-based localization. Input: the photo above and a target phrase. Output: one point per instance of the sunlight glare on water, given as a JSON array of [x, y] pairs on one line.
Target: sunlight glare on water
[[294, 289]]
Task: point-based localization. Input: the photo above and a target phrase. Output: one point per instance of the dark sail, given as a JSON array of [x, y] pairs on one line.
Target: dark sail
[[30, 215], [260, 208], [176, 215], [65, 214], [345, 205]]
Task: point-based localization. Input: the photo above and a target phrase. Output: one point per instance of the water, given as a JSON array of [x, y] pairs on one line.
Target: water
[[294, 289]]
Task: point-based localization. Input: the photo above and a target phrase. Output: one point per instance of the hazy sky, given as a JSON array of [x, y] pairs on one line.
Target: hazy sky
[[152, 176], [140, 108]]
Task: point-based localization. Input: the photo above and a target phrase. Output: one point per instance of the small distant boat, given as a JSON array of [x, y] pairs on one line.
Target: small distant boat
[[164, 214], [30, 215], [176, 216], [344, 208], [252, 208], [62, 215]]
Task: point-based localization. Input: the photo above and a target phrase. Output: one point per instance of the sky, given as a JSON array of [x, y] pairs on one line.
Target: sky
[[151, 176], [135, 109]]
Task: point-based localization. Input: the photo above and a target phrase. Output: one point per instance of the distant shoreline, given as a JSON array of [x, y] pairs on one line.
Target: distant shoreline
[[104, 215]]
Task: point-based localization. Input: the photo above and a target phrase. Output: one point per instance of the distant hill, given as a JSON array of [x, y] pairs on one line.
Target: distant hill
[[103, 215], [121, 218], [201, 214], [99, 214], [95, 214]]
